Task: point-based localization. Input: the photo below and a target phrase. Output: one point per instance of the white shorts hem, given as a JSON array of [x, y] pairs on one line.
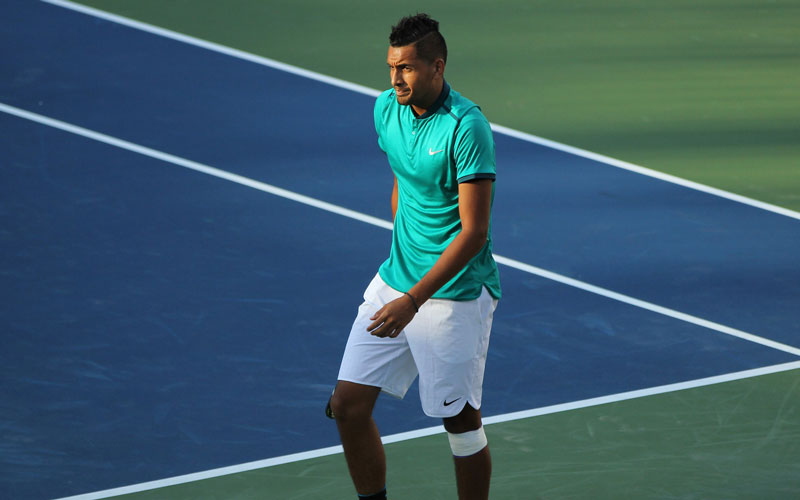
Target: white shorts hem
[[389, 392]]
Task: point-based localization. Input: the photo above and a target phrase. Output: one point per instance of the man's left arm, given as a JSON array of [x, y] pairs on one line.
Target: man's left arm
[[474, 208]]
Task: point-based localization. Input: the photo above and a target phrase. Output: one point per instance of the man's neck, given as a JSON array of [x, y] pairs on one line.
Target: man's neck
[[438, 86]]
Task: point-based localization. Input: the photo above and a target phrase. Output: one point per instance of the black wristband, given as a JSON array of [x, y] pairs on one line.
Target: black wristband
[[413, 301]]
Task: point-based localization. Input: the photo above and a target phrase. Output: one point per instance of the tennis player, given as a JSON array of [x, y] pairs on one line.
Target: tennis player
[[429, 309]]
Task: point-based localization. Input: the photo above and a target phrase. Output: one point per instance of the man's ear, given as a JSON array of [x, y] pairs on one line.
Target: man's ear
[[439, 66]]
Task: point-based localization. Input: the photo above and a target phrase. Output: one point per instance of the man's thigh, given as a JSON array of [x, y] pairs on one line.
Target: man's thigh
[[374, 361], [449, 341]]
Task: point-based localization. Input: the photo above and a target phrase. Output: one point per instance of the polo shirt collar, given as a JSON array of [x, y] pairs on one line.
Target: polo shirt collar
[[437, 104]]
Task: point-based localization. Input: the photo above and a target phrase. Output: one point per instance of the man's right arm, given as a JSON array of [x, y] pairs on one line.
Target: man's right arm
[[394, 199]]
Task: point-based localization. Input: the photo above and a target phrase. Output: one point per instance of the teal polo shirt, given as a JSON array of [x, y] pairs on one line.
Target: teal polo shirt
[[430, 155]]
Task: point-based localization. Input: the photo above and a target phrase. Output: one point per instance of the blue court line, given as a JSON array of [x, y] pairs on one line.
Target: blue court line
[[240, 54], [199, 167]]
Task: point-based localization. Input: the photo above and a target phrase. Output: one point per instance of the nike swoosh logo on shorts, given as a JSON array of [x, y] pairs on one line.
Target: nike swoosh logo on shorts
[[432, 152], [451, 402]]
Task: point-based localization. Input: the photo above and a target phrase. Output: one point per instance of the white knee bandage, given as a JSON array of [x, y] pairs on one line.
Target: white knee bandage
[[467, 443]]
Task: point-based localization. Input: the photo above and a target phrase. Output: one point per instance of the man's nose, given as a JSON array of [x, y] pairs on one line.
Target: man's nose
[[397, 78]]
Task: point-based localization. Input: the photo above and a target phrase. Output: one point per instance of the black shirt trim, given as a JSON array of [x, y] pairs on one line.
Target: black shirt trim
[[437, 103], [473, 177]]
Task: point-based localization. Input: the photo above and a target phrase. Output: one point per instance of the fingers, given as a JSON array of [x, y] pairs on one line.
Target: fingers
[[390, 320], [381, 328], [377, 320]]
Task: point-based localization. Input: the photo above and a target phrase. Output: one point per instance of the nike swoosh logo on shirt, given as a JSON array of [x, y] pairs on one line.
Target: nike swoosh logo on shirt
[[432, 152], [451, 402]]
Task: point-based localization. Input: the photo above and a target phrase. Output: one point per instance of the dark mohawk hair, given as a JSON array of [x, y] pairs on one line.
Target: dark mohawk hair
[[422, 31]]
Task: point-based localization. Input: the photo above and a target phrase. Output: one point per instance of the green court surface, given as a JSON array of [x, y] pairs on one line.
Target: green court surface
[[705, 89], [734, 440]]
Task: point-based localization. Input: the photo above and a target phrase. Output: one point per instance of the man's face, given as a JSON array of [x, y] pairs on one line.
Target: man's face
[[413, 78]]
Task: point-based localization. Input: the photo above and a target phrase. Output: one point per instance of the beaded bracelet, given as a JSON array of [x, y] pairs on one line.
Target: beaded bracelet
[[413, 301]]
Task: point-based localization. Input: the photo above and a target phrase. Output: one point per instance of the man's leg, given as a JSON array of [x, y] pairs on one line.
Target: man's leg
[[473, 472], [352, 406]]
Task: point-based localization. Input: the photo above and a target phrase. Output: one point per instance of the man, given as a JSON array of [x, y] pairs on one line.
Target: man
[[429, 310]]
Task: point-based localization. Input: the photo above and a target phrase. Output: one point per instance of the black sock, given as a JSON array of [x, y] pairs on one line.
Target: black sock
[[381, 495]]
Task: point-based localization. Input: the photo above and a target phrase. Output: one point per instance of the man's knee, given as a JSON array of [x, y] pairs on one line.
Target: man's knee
[[468, 420], [352, 401], [465, 432]]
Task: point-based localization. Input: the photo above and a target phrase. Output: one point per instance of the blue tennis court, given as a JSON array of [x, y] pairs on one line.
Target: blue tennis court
[[159, 321]]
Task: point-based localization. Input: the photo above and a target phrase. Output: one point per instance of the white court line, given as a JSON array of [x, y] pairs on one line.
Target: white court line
[[429, 431], [647, 305], [375, 221], [264, 61], [193, 165]]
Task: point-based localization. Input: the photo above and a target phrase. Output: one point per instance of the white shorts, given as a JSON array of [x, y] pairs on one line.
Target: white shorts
[[445, 343]]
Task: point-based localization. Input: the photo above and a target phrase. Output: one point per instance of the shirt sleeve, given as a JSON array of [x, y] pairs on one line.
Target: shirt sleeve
[[378, 113], [474, 148]]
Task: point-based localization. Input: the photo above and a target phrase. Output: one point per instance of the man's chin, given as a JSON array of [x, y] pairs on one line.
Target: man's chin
[[404, 99]]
